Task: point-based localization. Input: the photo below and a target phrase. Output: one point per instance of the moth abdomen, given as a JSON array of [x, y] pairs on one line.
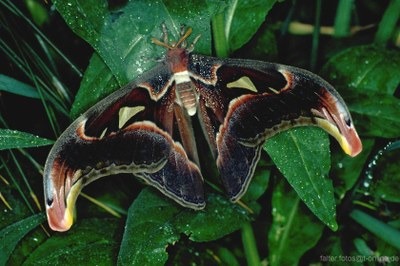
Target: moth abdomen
[[186, 97]]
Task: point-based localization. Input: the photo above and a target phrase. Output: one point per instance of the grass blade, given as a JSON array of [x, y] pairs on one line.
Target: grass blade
[[17, 87], [343, 18], [378, 228], [388, 23]]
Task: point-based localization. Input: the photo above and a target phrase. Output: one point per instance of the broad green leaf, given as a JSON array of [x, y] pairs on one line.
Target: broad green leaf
[[368, 66], [148, 231], [346, 170], [12, 234], [220, 217], [154, 222], [17, 87], [367, 77], [12, 213], [11, 139], [97, 83], [243, 18], [294, 229], [122, 37], [375, 114], [302, 155], [85, 17], [91, 242], [380, 229]]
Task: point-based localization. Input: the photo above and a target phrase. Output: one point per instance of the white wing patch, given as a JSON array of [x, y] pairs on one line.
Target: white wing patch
[[126, 113], [242, 83]]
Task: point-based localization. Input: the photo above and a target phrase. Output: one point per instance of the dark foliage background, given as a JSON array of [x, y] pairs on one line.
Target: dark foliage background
[[308, 203]]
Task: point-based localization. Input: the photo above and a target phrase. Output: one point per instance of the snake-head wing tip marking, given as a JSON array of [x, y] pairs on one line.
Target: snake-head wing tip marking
[[60, 197], [335, 118]]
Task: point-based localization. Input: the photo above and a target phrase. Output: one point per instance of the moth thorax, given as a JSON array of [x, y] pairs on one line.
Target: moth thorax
[[186, 97]]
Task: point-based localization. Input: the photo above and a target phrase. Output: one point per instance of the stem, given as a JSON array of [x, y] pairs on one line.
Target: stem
[[250, 246], [315, 39], [388, 22], [343, 17], [288, 20], [220, 42]]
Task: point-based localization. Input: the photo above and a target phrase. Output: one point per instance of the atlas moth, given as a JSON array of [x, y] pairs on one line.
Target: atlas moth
[[145, 128]]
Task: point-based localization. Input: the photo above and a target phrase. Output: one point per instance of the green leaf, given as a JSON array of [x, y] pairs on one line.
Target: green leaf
[[15, 211], [122, 39], [12, 234], [91, 242], [243, 18], [302, 155], [11, 139], [97, 83], [17, 87], [367, 77], [86, 18], [365, 67], [375, 114], [294, 229], [154, 222], [377, 227]]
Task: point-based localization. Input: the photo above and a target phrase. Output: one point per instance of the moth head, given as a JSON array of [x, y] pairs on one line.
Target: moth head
[[61, 187], [334, 117]]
